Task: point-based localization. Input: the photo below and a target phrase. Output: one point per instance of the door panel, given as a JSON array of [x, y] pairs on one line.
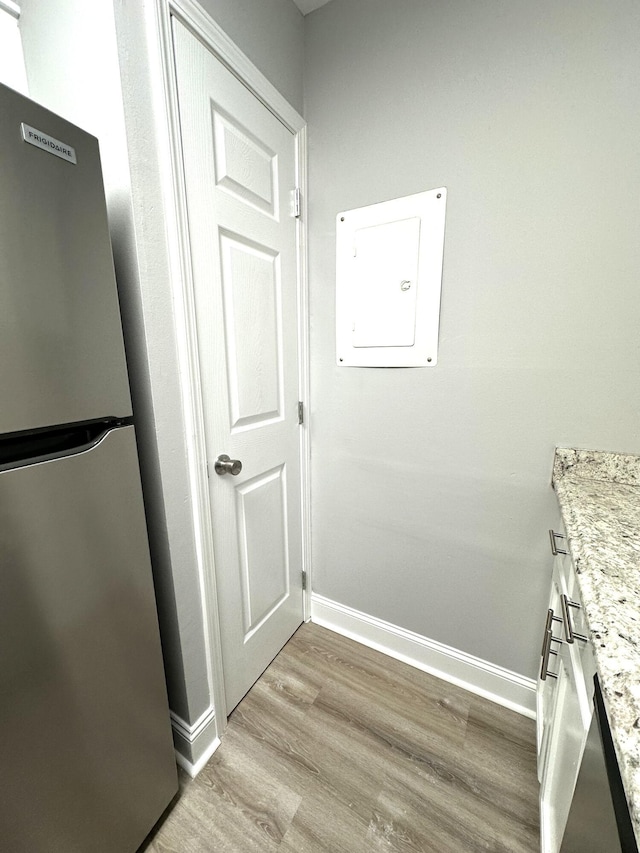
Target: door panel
[[239, 162], [244, 166], [251, 294], [263, 546]]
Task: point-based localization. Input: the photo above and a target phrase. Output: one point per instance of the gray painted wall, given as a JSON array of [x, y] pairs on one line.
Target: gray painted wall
[[431, 495], [271, 33]]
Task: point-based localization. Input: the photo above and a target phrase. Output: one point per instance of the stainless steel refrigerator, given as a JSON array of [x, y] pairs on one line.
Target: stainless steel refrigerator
[[86, 758]]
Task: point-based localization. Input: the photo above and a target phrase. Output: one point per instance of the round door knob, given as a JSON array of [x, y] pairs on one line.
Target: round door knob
[[224, 465]]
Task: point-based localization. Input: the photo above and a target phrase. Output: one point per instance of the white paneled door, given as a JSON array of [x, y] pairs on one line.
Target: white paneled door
[[240, 170]]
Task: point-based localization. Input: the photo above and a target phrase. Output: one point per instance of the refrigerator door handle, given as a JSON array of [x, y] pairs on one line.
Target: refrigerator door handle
[[22, 449]]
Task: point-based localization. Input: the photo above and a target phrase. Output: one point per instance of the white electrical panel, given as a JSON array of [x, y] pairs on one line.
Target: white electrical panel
[[388, 280]]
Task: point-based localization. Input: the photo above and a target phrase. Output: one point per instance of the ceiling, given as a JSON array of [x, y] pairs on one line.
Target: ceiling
[[307, 6]]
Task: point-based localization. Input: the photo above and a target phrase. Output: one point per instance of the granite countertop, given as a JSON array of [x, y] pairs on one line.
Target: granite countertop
[[599, 497]]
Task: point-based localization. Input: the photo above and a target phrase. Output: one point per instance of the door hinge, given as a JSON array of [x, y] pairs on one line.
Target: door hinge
[[297, 203], [300, 413], [304, 580]]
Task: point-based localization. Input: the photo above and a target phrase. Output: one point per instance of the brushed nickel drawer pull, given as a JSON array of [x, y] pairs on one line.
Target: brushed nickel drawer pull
[[551, 617], [554, 548], [546, 651], [570, 634]]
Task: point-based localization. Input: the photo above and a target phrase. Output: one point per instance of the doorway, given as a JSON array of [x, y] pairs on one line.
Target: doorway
[[240, 170]]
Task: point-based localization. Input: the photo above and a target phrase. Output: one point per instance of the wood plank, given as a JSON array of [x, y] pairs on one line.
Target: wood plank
[[340, 748]]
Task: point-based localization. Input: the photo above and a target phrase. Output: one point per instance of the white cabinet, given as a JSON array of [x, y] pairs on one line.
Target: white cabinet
[[565, 702]]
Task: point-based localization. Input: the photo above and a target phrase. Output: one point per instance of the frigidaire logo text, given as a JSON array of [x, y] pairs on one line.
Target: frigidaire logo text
[[50, 143], [47, 143]]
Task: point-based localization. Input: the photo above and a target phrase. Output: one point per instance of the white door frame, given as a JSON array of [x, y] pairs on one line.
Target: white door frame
[[207, 31]]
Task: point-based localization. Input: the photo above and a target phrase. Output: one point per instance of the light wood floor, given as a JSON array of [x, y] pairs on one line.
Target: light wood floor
[[339, 748]]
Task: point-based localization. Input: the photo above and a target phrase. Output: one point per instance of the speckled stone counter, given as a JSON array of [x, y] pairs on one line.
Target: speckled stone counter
[[599, 497]]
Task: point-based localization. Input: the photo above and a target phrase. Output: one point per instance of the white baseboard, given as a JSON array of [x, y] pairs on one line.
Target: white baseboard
[[194, 744], [474, 674]]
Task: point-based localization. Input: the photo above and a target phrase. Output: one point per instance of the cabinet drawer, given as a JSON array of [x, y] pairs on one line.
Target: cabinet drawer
[[576, 614], [575, 628]]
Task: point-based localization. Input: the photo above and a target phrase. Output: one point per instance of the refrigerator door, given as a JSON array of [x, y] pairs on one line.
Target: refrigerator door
[[85, 738], [61, 350]]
